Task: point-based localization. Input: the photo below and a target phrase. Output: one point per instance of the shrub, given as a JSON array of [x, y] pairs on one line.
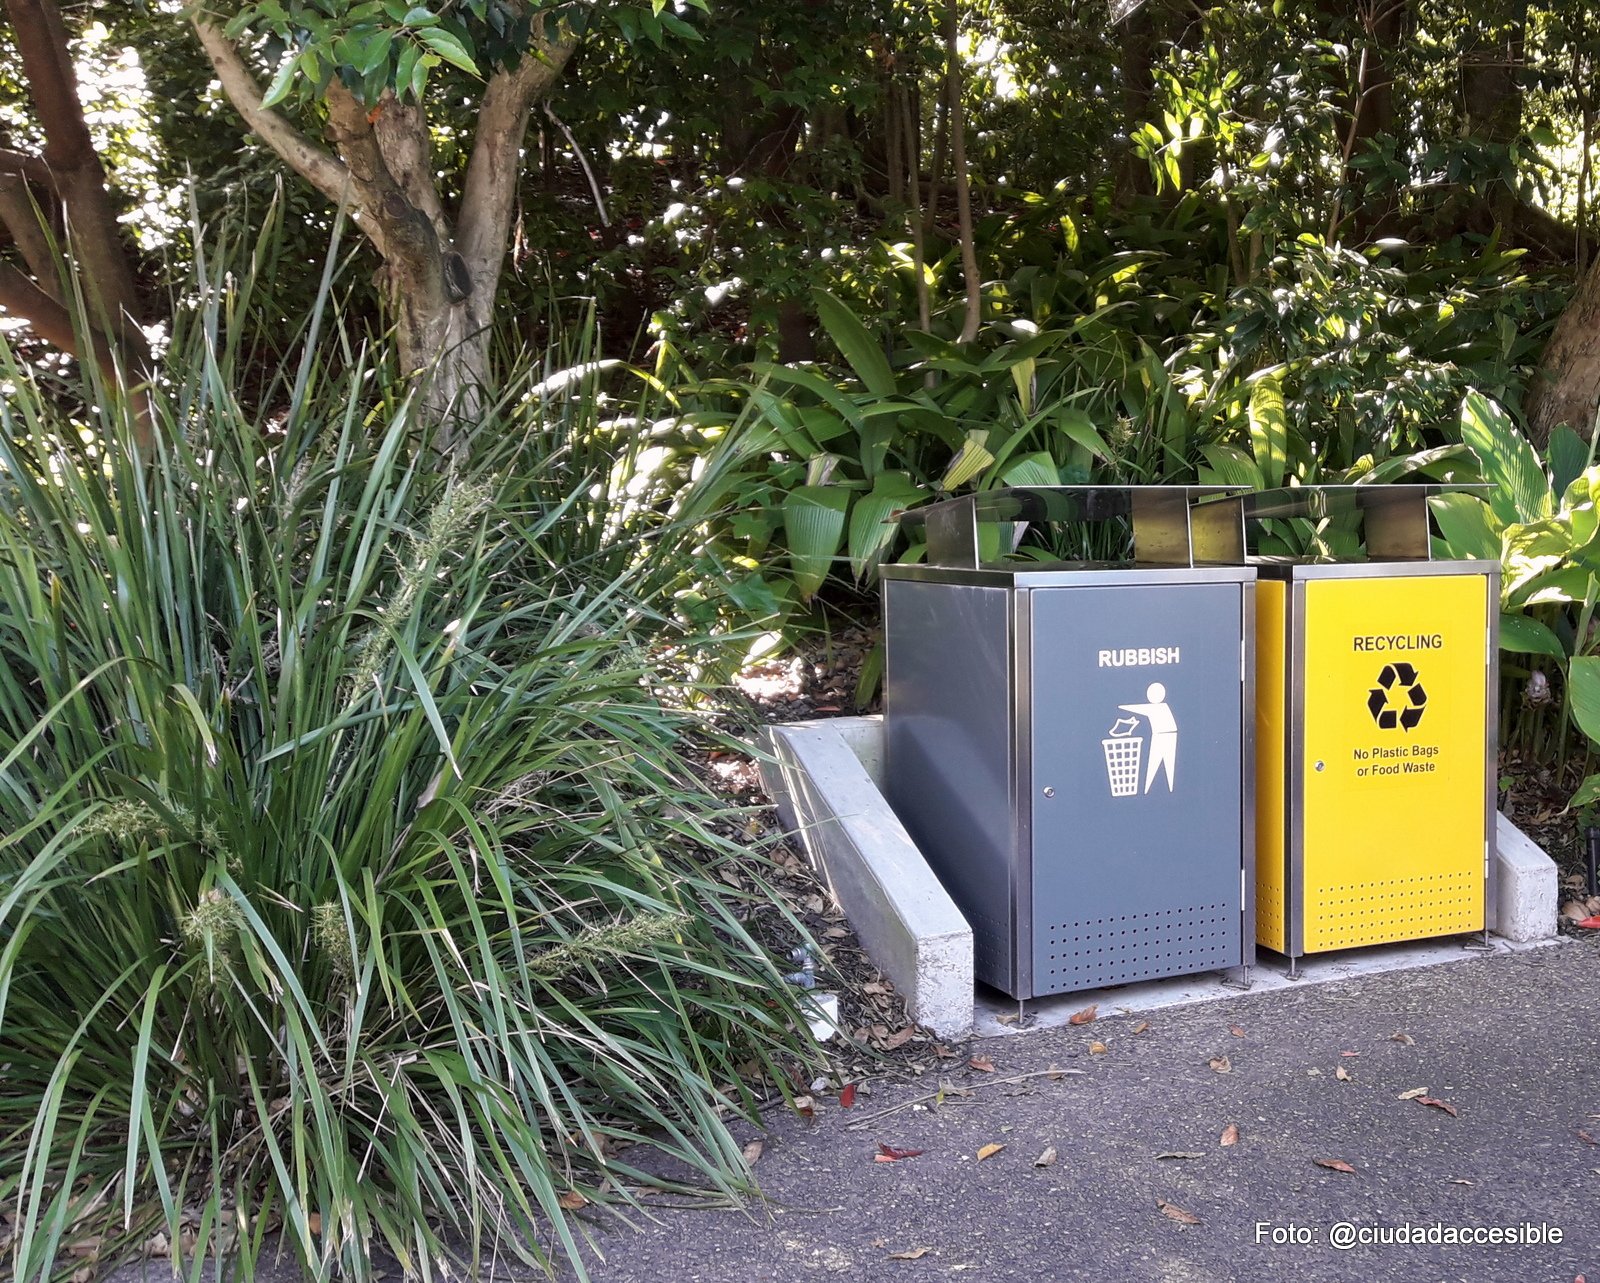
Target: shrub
[[353, 878]]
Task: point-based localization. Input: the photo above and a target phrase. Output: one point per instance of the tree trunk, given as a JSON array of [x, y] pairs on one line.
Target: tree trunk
[[1567, 387], [1136, 39], [1491, 87], [442, 276]]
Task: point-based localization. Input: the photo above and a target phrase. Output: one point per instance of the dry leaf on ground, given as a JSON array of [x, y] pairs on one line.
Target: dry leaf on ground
[[889, 1154], [753, 1151], [805, 1106], [847, 1096], [1342, 1074], [1098, 1048], [572, 1200], [1413, 1094], [899, 1039], [1046, 1159], [1335, 1165], [982, 1064], [1083, 1017], [989, 1150], [1236, 1031], [1230, 1135], [1221, 1064], [1436, 1103], [910, 1254], [1173, 1213], [1180, 1153], [1141, 1027], [1404, 1039], [1586, 1138]]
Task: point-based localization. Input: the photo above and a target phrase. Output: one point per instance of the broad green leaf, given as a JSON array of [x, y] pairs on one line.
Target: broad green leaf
[[1583, 694], [1525, 635], [1522, 492], [813, 520], [1566, 584], [1588, 792], [872, 527], [1231, 466], [448, 48], [1269, 429], [1037, 469], [970, 460], [1569, 455], [860, 349], [1022, 373], [1468, 526], [1079, 428], [278, 89]]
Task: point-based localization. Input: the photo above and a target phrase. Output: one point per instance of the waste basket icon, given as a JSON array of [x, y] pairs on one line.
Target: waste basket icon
[[1124, 756]]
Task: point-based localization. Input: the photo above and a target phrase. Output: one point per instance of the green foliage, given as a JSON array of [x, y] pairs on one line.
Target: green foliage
[[353, 877]]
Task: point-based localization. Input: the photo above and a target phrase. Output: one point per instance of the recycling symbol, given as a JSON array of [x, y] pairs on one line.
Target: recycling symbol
[[1398, 699]]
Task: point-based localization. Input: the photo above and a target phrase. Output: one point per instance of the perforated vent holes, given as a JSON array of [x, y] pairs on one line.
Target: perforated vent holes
[[1137, 946], [1358, 913]]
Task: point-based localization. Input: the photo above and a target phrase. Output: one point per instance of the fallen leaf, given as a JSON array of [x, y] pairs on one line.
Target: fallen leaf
[[572, 1200], [314, 1222], [1348, 1054], [159, 1245], [989, 1151], [1335, 1165], [899, 1039], [889, 1154], [1173, 1213], [982, 1064], [1590, 923], [1404, 1039], [1179, 1153], [1083, 1017], [1438, 1104], [942, 1052], [1056, 1073], [805, 1106], [1459, 1181], [1230, 1135], [1586, 1138], [835, 933], [1413, 1094], [1236, 1031], [847, 1096], [753, 1151], [1141, 1027], [910, 1254], [1098, 1048], [1009, 1018], [1046, 1159], [1221, 1064], [1342, 1074]]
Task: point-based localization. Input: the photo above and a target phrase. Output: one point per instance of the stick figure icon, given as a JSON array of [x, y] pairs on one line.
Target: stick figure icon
[[1163, 733]]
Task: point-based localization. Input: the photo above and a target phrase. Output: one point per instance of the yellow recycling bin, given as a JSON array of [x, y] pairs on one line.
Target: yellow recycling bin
[[1375, 727]]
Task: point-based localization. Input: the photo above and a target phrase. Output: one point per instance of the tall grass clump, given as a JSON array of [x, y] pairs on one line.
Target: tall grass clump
[[353, 884]]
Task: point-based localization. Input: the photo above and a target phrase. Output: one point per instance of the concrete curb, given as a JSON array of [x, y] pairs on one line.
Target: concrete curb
[[1524, 890], [821, 777], [826, 778]]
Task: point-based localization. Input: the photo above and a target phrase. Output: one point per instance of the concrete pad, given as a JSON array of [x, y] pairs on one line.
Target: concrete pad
[[904, 917], [1524, 891], [827, 781]]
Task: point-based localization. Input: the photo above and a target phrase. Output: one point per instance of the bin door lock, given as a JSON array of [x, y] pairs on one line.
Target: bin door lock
[[1320, 765], [1049, 792]]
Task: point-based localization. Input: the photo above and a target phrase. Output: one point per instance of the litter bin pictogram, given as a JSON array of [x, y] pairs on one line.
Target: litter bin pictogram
[[1124, 756]]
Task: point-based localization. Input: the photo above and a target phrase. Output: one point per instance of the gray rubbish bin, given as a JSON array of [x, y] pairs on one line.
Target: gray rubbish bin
[[1070, 744]]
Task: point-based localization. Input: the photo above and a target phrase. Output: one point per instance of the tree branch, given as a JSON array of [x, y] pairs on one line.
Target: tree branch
[[22, 218], [314, 164], [488, 194], [50, 320], [406, 231], [33, 168]]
